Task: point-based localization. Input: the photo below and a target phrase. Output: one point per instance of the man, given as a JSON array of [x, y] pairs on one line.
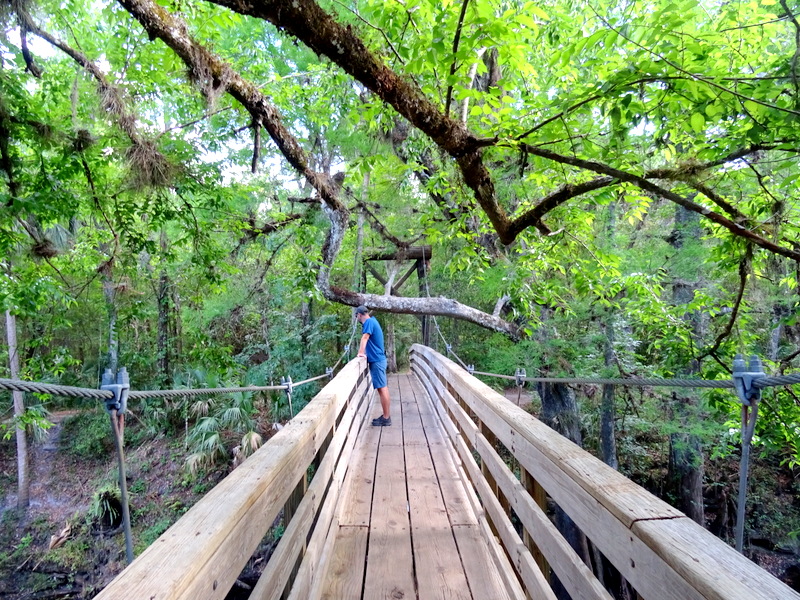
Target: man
[[371, 348]]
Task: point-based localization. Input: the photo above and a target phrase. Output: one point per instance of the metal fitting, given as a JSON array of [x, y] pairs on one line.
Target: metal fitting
[[520, 376], [329, 372], [744, 377], [471, 369], [119, 386]]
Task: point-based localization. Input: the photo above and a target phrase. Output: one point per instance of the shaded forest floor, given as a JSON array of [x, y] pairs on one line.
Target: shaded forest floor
[[72, 493], [69, 494]]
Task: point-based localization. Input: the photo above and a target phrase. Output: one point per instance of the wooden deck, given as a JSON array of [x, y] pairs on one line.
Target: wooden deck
[[408, 527]]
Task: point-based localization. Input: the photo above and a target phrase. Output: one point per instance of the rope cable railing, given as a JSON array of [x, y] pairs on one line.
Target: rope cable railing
[[37, 387], [81, 392], [628, 381]]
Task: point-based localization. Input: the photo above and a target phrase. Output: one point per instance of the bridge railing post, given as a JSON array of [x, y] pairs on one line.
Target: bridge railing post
[[539, 496]]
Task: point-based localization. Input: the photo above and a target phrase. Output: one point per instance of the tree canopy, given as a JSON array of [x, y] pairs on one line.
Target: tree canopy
[[572, 164]]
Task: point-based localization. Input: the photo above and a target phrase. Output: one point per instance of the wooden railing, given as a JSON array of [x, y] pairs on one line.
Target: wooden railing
[[659, 551], [203, 554]]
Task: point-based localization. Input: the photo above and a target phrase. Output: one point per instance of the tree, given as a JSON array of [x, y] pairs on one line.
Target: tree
[[499, 132]]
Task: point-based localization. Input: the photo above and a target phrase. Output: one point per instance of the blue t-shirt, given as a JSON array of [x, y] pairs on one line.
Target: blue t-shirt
[[374, 348]]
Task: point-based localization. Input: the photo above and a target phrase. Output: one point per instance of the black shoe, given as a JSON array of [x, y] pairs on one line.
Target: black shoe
[[382, 421]]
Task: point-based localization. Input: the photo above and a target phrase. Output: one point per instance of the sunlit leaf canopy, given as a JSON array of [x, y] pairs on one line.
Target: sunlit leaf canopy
[[544, 149]]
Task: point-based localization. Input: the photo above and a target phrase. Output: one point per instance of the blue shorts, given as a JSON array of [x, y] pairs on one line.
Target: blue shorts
[[377, 371]]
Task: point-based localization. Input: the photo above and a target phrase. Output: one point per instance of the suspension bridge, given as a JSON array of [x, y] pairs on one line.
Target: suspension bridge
[[455, 500]]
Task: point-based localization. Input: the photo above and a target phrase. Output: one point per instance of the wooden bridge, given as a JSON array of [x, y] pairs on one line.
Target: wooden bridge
[[454, 501]]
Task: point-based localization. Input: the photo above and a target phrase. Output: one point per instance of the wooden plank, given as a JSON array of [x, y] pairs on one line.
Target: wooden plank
[[427, 413], [611, 535], [576, 577], [521, 558], [202, 554], [320, 547], [715, 569], [539, 496], [356, 504], [460, 500], [389, 571], [482, 573], [523, 562], [606, 506], [345, 577], [439, 573], [282, 562]]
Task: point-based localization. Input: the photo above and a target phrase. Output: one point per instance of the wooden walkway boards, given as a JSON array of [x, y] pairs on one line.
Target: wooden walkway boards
[[408, 528]]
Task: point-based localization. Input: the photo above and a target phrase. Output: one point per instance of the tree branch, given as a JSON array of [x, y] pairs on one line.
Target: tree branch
[[381, 228], [691, 75], [554, 199], [213, 75], [453, 65], [440, 307], [744, 269], [651, 187], [796, 55]]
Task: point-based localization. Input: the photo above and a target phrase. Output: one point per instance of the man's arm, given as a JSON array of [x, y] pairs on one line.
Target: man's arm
[[362, 349]]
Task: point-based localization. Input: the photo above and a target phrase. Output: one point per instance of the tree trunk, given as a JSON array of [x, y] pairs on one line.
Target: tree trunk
[[391, 352], [23, 479], [608, 441], [109, 293], [163, 326], [686, 459]]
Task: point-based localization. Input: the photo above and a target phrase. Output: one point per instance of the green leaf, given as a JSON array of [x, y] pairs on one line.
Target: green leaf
[[698, 122]]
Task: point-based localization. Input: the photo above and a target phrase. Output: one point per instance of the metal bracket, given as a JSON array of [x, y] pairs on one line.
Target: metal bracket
[[329, 372], [119, 386], [287, 381], [520, 376], [449, 348], [744, 377], [471, 369]]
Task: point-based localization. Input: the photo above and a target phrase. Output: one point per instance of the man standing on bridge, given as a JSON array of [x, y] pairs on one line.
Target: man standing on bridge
[[371, 348]]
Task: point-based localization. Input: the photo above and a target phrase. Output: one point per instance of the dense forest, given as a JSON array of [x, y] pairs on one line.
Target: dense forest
[[199, 191]]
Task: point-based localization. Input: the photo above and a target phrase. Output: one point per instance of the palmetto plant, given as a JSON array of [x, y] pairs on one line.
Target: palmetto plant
[[227, 428]]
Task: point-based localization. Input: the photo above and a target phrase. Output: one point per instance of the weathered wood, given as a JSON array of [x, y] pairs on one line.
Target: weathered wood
[[289, 510], [576, 577], [539, 496], [610, 509], [713, 568], [410, 253], [279, 568], [485, 580], [512, 547], [346, 572], [202, 554], [438, 575], [392, 576]]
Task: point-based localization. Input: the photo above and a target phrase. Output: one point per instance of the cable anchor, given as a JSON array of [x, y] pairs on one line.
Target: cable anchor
[[744, 378], [520, 376], [119, 385], [287, 381]]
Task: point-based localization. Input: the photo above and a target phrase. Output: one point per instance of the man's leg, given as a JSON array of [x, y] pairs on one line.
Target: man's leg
[[383, 393]]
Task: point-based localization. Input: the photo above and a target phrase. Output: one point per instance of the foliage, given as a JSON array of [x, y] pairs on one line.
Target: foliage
[[87, 435], [133, 200]]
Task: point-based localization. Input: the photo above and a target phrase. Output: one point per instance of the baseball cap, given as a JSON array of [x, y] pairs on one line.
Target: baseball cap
[[362, 310]]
